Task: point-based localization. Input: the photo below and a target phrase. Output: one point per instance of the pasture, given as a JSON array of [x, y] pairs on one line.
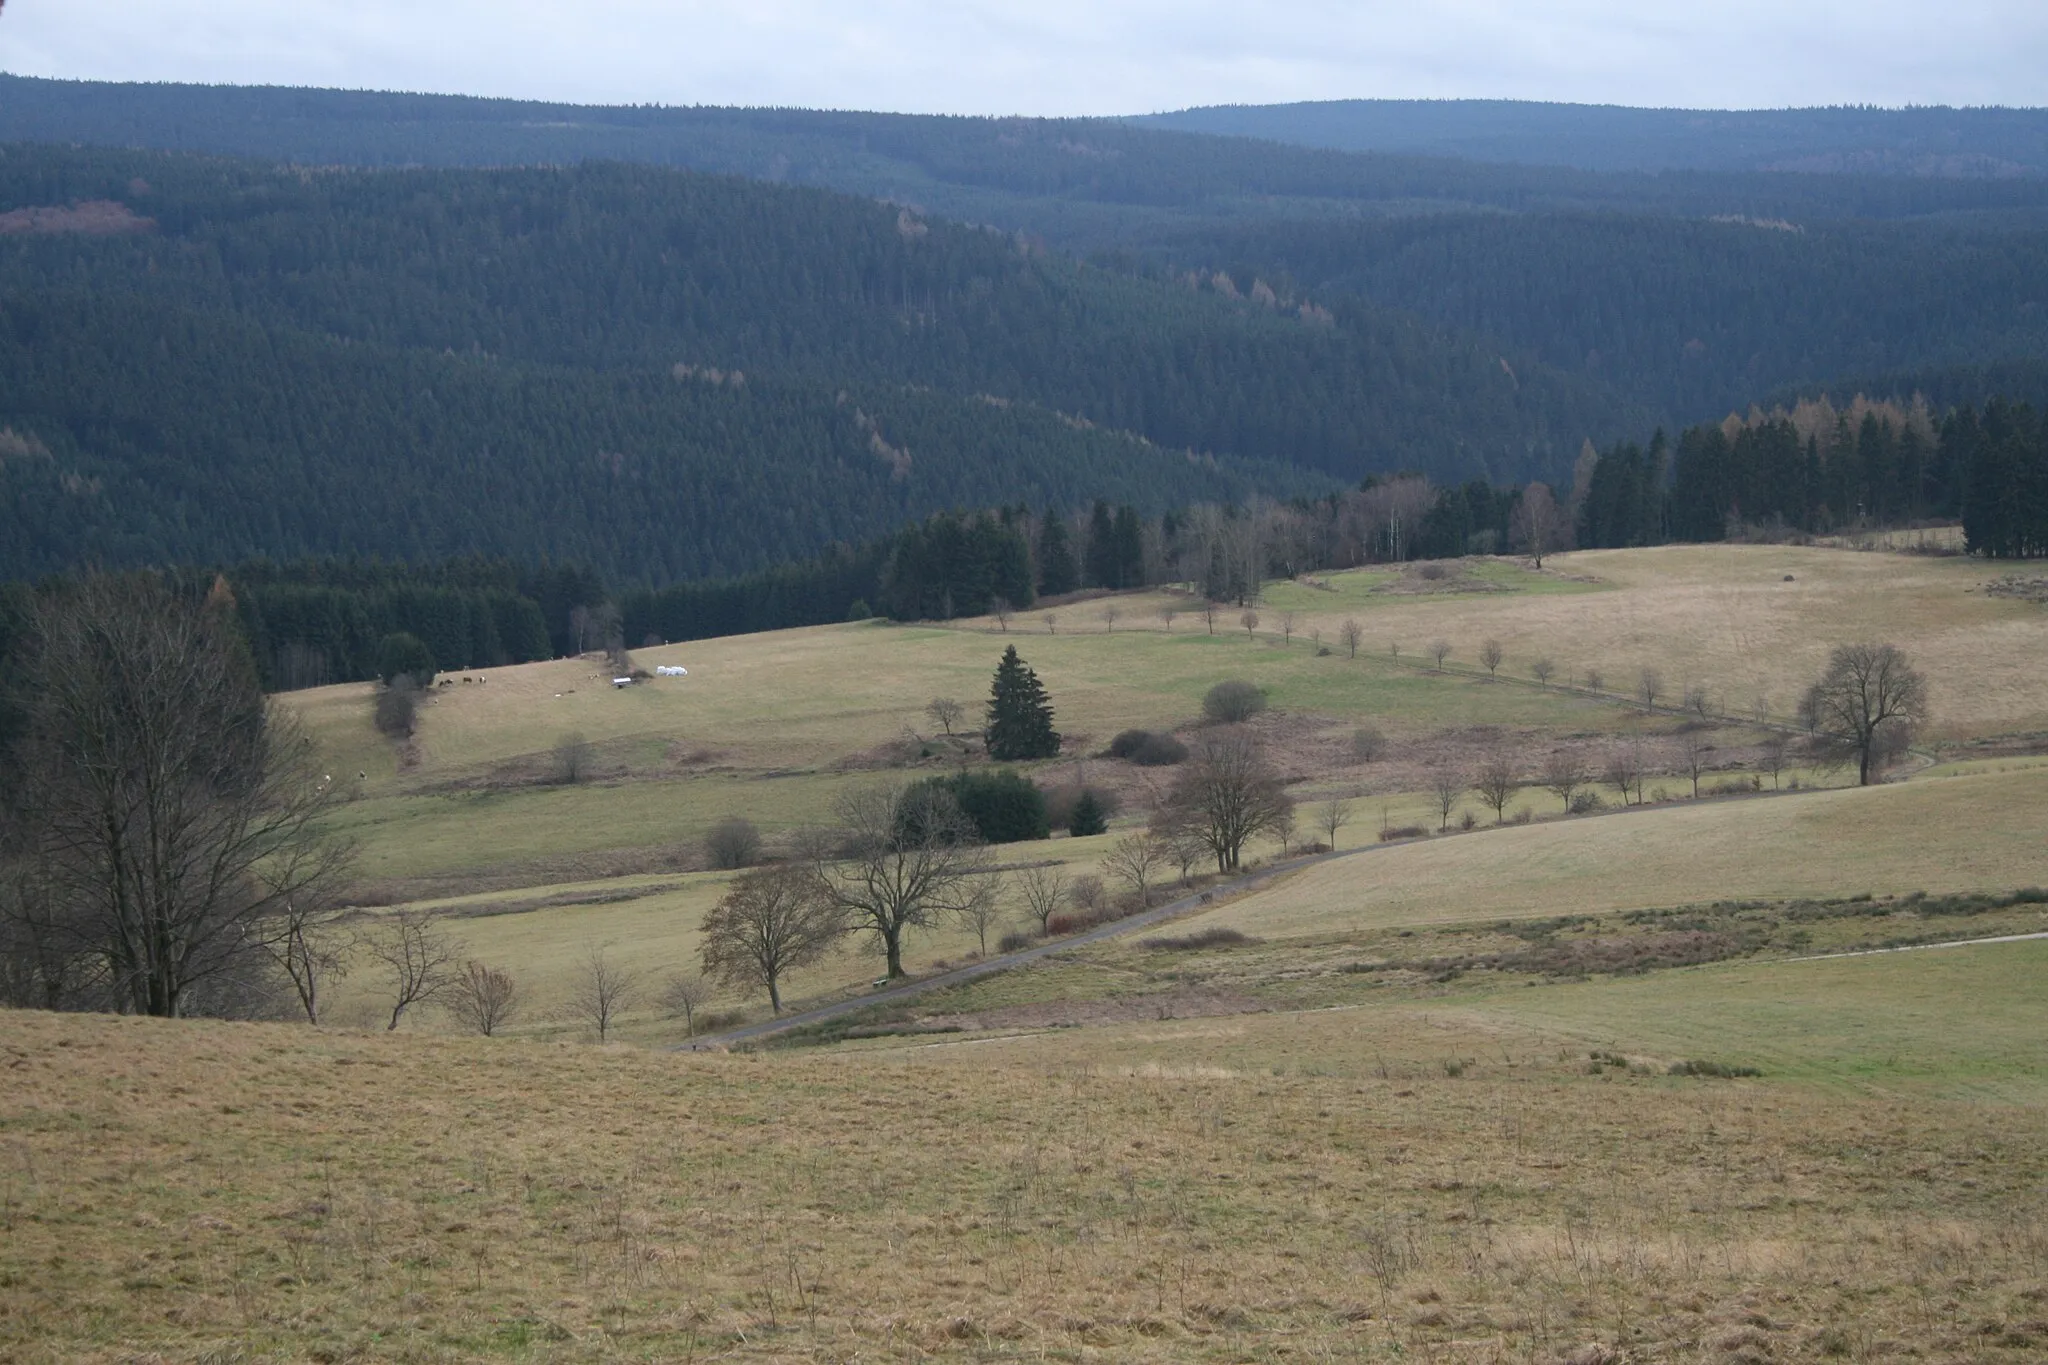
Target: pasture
[[1450, 1179]]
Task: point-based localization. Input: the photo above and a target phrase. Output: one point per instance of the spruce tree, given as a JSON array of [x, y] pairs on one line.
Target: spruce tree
[[1059, 572], [1088, 817], [1019, 714]]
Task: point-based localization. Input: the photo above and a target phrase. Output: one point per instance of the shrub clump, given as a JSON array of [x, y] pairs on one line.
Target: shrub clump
[[1014, 942], [1217, 937], [1003, 807], [1063, 804], [1148, 748], [398, 708], [1723, 1070], [1233, 701], [733, 843]]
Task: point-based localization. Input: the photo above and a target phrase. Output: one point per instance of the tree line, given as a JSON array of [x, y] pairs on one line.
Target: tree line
[[1817, 468]]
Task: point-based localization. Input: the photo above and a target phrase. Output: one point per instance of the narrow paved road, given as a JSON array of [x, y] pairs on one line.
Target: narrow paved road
[[989, 966]]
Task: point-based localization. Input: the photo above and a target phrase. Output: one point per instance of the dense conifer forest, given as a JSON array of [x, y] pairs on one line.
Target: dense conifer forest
[[456, 337]]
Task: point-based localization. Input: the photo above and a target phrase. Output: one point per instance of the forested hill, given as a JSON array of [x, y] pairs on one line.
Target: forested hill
[[1675, 294], [1963, 143], [669, 373], [1085, 182]]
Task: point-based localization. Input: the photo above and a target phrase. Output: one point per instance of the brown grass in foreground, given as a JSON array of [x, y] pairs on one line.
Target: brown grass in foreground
[[202, 1191]]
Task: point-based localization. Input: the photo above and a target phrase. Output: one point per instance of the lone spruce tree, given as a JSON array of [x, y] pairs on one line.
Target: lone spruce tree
[[1019, 715]]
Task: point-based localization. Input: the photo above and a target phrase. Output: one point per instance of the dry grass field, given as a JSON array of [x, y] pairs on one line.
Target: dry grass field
[[1745, 621], [1448, 1180], [1967, 833]]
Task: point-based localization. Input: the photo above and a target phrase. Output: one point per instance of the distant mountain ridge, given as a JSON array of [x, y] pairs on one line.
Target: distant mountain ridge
[[1943, 142]]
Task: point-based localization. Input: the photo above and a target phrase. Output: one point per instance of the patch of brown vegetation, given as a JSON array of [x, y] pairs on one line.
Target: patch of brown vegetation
[[1200, 1003], [89, 218]]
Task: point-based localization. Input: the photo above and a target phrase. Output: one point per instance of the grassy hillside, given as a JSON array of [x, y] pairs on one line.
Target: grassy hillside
[[1192, 1190], [1973, 833]]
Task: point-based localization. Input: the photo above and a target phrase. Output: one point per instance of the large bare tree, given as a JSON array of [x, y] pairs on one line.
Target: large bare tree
[[171, 818], [1226, 793], [908, 857], [603, 989], [768, 924], [1866, 704]]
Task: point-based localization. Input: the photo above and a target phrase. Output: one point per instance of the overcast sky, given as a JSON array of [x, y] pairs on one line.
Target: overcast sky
[[1064, 56]]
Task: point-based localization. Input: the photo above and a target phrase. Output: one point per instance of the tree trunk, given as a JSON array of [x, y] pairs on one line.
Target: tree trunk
[[892, 944], [774, 995]]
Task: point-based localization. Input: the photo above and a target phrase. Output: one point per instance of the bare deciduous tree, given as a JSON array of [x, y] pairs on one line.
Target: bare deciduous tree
[[1538, 525], [1649, 686], [418, 960], [1209, 614], [1166, 615], [1696, 699], [483, 998], [682, 995], [1332, 816], [1001, 609], [1446, 784], [1353, 635], [1044, 890], [1052, 623], [1496, 782], [312, 948], [1866, 705], [945, 712], [172, 822], [1772, 755], [603, 990], [574, 758], [1564, 772], [1692, 751], [769, 923], [1440, 650], [1542, 670], [1227, 792], [910, 855], [1624, 771], [1136, 860], [981, 909], [1490, 655], [1250, 621], [1286, 627]]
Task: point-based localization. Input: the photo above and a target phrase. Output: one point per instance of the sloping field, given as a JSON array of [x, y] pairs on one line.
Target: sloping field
[[1749, 622], [1439, 1181], [1977, 832]]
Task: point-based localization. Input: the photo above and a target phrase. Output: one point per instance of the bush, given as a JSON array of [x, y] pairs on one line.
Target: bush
[[1393, 832], [1367, 743], [714, 1021], [398, 708], [733, 843], [1061, 802], [860, 610], [1014, 942], [1235, 700], [574, 759], [1147, 748], [1003, 807], [1218, 937], [401, 655], [1720, 1069], [1586, 802]]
